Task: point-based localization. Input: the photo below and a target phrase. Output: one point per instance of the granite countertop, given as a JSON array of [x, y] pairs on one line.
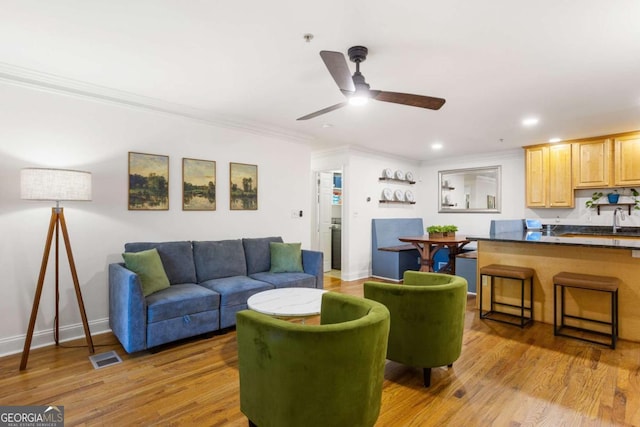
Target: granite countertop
[[574, 235]]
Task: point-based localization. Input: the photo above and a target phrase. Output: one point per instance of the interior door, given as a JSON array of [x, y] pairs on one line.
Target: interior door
[[325, 194]]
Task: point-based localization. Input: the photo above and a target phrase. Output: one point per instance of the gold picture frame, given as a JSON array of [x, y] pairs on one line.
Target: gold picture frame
[[148, 182], [198, 185], [243, 186]]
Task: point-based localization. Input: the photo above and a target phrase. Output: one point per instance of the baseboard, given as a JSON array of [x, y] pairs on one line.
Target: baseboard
[[349, 276], [387, 278], [13, 345]]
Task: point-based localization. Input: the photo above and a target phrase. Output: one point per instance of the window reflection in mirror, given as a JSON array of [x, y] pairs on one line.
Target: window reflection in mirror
[[470, 190]]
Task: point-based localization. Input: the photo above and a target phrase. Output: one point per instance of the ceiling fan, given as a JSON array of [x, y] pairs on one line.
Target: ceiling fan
[[356, 88]]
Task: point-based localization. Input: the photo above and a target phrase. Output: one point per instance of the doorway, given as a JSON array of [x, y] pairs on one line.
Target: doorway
[[329, 220]]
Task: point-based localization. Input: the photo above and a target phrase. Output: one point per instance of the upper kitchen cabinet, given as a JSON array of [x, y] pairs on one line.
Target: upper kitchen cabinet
[[591, 163], [627, 160], [548, 176], [536, 167]]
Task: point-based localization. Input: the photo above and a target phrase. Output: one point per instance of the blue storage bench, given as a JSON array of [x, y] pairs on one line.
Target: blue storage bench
[[390, 257]]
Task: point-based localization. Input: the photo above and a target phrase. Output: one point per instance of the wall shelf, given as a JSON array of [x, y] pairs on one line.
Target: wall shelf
[[398, 201], [384, 178], [628, 205]]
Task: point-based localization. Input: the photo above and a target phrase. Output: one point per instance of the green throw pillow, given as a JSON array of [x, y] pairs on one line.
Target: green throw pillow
[[286, 257], [148, 266]]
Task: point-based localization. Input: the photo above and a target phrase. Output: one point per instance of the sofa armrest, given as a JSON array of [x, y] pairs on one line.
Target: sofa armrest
[[127, 308], [312, 264]]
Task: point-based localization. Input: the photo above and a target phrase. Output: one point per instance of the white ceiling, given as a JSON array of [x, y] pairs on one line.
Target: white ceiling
[[573, 64]]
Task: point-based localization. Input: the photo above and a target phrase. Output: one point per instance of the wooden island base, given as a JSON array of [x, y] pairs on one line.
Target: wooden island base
[[548, 260]]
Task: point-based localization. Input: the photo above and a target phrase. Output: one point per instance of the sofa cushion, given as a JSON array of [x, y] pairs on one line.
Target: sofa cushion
[[217, 259], [285, 257], [177, 259], [258, 253], [180, 300], [287, 280], [148, 266], [236, 290]]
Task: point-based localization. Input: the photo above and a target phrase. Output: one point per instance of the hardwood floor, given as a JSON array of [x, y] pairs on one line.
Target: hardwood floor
[[505, 377]]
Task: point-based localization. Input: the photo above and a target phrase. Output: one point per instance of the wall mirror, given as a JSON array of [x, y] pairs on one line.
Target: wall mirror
[[470, 190]]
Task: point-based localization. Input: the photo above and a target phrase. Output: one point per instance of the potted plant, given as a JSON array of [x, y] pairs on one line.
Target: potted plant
[[438, 231], [594, 199], [613, 197]]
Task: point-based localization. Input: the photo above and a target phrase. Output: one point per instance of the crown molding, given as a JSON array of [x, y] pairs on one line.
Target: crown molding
[[61, 85]]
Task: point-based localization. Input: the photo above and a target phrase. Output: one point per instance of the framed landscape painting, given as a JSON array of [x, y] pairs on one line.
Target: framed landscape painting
[[243, 180], [148, 182], [198, 185]]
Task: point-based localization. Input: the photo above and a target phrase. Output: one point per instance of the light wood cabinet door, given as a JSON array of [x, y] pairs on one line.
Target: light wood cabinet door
[[548, 176], [626, 164], [560, 193], [536, 176], [591, 160]]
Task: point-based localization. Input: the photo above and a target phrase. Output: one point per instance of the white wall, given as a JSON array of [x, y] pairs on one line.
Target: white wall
[[513, 197], [46, 129], [362, 191]]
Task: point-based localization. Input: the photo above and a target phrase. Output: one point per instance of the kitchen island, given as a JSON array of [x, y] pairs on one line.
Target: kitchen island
[[573, 250]]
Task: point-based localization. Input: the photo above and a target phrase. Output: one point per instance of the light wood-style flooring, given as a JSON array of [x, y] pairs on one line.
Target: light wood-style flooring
[[506, 376]]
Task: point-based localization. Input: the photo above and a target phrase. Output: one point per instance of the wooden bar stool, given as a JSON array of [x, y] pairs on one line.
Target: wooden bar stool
[[511, 272], [592, 283]]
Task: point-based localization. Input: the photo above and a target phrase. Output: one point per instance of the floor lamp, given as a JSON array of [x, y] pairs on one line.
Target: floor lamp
[[55, 185]]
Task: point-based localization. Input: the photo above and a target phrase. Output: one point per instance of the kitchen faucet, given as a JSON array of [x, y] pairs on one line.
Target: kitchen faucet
[[616, 222]]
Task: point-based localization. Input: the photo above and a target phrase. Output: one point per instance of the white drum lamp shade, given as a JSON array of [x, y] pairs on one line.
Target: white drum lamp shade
[[55, 184]]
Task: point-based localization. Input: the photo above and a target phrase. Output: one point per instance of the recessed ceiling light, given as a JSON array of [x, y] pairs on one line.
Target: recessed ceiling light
[[530, 121], [552, 140], [436, 146], [327, 125]]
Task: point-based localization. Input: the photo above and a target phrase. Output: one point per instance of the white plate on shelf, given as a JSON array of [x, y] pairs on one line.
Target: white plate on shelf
[[409, 176], [387, 173], [400, 175], [399, 195], [408, 195], [387, 194]]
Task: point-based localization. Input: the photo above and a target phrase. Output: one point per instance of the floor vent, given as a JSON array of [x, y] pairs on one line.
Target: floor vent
[[105, 359]]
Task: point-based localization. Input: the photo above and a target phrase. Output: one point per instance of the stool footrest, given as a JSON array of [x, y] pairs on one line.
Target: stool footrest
[[517, 319], [560, 332]]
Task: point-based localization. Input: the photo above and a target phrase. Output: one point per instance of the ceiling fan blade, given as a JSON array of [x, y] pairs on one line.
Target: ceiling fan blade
[[409, 99], [337, 66], [323, 111]]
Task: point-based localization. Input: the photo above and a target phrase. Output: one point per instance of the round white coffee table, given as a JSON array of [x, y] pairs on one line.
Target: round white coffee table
[[287, 302]]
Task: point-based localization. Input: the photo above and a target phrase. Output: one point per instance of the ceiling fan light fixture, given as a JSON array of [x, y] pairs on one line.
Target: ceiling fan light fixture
[[358, 99]]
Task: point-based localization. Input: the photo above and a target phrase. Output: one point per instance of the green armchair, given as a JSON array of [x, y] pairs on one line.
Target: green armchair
[[330, 374], [427, 318]]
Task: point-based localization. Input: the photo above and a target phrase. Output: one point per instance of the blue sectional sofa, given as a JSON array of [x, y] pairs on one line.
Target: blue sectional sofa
[[209, 282]]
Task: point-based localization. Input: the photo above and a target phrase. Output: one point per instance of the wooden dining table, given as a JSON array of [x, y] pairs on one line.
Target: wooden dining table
[[429, 246]]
